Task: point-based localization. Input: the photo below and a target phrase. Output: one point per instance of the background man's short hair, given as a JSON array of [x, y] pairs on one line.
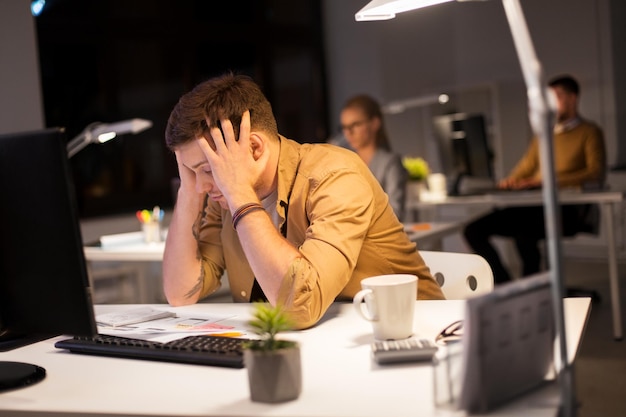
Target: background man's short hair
[[566, 82]]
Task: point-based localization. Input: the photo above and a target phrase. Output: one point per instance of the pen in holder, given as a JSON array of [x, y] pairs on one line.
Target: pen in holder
[[151, 224]]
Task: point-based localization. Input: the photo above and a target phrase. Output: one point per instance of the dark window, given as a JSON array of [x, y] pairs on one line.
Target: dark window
[[111, 60]]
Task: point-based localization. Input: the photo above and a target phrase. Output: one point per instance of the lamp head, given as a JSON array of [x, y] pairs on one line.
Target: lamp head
[[387, 9], [106, 131]]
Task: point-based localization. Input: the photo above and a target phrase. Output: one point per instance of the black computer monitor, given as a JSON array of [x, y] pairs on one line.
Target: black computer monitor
[[463, 148], [44, 287]]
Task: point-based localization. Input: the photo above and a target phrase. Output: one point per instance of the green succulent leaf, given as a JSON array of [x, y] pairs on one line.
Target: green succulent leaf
[[268, 321]]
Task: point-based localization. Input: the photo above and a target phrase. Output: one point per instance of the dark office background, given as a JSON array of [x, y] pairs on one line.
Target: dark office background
[[112, 60]]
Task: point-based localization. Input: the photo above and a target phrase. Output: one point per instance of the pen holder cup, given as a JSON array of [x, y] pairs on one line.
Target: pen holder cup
[[447, 376], [437, 186], [151, 232]]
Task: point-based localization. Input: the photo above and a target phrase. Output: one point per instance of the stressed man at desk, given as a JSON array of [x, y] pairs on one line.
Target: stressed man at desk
[[294, 224], [579, 160]]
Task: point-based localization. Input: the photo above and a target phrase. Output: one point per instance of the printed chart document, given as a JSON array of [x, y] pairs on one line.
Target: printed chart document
[[162, 325], [136, 315]]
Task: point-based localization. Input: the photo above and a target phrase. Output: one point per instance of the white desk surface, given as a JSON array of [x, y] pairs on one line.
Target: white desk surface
[[131, 252], [339, 377], [524, 198]]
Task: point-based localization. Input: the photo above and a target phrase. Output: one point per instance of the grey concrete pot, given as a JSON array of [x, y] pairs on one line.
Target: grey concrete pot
[[274, 376]]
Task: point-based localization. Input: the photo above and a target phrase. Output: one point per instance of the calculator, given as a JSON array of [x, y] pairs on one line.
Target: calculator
[[406, 350]]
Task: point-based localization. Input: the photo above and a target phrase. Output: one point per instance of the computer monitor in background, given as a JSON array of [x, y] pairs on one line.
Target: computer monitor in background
[[463, 149], [44, 287]]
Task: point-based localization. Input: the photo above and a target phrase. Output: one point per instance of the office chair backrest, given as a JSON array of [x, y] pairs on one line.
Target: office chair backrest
[[460, 275]]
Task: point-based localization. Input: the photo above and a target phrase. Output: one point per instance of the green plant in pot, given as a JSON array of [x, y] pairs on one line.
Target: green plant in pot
[[417, 168], [274, 367], [418, 171]]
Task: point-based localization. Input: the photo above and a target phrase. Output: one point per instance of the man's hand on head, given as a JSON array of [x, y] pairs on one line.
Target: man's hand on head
[[187, 176], [235, 169]]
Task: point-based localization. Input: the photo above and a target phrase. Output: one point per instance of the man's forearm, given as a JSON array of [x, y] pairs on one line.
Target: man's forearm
[[268, 253], [182, 266]]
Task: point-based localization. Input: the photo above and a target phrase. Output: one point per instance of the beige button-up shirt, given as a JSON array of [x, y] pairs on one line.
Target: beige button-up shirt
[[335, 212]]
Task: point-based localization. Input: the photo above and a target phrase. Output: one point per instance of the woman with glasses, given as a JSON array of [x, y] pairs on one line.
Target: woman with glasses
[[363, 126]]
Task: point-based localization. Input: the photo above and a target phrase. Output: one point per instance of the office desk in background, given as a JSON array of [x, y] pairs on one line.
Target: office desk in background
[[144, 259], [127, 274], [607, 200], [140, 251], [431, 233], [339, 377], [135, 250], [142, 264]]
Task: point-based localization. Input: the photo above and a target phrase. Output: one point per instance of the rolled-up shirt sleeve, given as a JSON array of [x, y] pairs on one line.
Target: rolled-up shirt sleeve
[[340, 210]]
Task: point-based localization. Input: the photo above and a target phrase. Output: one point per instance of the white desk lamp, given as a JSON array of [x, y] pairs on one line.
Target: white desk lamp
[[541, 104], [399, 106], [103, 132]]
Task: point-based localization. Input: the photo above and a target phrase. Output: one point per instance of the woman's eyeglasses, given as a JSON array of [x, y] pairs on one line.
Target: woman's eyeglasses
[[451, 333], [349, 128]]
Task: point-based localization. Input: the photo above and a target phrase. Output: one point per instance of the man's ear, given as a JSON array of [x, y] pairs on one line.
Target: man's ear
[[257, 145]]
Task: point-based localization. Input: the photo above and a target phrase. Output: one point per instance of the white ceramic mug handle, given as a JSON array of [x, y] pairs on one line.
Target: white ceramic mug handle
[[358, 304]]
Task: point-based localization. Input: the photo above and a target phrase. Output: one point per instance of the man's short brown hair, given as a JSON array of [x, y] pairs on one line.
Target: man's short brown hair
[[566, 82], [227, 96]]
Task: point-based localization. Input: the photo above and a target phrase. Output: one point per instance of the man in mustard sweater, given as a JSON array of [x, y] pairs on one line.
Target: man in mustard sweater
[[579, 161]]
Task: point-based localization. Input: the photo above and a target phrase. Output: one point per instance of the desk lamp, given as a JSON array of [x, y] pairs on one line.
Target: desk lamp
[[102, 132], [541, 105], [400, 106]]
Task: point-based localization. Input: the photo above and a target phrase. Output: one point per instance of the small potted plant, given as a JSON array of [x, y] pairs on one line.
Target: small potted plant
[[418, 171], [416, 167], [274, 367]]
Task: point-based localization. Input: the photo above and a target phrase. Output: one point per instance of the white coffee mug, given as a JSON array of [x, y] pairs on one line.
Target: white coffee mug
[[389, 304]]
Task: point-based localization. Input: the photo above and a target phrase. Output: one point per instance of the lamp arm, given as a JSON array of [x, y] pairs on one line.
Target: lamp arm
[[541, 115], [401, 105], [81, 140]]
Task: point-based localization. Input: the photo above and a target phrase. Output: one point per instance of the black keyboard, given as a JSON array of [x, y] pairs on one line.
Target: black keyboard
[[198, 350]]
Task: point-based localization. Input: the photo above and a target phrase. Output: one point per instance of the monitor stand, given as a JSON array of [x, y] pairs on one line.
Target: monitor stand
[[18, 374], [10, 341], [455, 188]]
